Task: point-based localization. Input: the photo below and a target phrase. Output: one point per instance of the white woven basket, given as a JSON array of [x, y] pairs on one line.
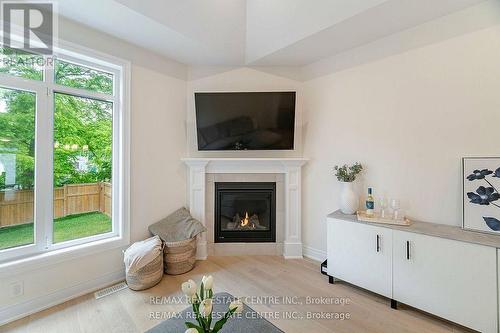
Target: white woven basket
[[148, 276]]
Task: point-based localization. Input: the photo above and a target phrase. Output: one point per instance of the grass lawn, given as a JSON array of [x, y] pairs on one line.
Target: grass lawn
[[65, 228]]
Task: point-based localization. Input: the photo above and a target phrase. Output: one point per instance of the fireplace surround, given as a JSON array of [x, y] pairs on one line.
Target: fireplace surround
[[245, 212], [203, 172]]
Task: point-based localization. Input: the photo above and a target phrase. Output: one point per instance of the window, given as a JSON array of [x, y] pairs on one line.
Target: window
[[63, 161], [77, 76], [83, 135], [17, 165], [22, 64]]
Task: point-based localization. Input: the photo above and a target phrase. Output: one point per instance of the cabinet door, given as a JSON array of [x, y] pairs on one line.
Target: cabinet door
[[453, 280], [360, 254]]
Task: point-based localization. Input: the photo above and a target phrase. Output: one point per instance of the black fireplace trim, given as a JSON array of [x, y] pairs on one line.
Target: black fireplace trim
[[257, 236]]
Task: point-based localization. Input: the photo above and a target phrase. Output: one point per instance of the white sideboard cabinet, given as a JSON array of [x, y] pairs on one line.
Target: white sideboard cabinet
[[355, 249], [439, 269]]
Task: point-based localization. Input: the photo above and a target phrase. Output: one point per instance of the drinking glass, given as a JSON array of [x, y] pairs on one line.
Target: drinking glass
[[395, 205], [383, 207]]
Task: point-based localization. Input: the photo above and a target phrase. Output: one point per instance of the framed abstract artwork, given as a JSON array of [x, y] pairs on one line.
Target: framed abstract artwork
[[481, 196]]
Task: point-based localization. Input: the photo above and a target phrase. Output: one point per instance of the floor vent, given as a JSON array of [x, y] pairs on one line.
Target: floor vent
[[110, 290]]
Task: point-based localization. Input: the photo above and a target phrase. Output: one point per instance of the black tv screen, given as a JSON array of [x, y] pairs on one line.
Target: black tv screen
[[245, 120]]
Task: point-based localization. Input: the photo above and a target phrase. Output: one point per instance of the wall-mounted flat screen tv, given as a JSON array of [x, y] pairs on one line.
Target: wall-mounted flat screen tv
[[245, 120]]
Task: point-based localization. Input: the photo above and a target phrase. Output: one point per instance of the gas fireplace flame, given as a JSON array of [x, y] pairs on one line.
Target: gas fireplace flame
[[249, 222], [245, 221]]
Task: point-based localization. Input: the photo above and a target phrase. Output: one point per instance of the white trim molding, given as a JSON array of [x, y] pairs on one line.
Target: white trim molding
[[314, 254], [290, 167]]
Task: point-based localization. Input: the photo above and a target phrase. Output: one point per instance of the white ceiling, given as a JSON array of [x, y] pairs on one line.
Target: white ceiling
[[254, 32]]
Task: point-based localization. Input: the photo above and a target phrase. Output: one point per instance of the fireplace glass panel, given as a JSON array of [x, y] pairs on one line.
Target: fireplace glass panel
[[245, 212]]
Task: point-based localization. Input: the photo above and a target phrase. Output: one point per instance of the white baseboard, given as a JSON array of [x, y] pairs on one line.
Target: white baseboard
[[314, 254], [18, 311]]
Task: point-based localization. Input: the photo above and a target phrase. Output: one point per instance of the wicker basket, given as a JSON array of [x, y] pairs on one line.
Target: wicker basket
[[179, 257], [146, 277]]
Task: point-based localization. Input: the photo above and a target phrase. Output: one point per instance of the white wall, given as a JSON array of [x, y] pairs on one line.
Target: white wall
[[158, 104], [210, 79], [158, 144], [408, 119]]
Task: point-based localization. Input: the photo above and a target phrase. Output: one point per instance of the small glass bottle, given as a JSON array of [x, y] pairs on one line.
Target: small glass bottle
[[370, 203]]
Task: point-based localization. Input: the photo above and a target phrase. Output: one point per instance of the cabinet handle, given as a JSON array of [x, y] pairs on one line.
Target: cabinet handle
[[378, 243], [407, 250]]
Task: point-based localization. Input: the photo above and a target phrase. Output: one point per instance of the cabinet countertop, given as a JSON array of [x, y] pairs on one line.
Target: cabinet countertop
[[431, 229]]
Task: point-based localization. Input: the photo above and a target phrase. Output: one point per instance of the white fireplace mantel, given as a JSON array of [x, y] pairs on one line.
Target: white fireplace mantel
[[290, 167]]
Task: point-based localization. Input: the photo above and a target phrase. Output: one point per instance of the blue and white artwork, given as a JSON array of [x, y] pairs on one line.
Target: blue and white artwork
[[481, 185]]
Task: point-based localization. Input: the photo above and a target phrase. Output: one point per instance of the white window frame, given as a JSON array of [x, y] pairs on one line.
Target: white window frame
[[42, 248]]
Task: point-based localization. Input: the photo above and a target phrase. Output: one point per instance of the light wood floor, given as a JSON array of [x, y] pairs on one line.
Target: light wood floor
[[129, 311]]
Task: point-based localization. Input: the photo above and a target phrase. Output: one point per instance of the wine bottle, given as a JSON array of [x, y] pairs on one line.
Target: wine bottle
[[370, 203]]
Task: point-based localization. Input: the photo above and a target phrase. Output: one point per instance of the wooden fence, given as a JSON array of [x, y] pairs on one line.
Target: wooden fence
[[16, 207]]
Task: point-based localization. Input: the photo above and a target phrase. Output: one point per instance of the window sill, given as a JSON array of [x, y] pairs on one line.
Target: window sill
[[53, 257]]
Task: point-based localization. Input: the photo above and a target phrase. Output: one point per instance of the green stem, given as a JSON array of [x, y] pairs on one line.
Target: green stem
[[196, 311], [201, 322]]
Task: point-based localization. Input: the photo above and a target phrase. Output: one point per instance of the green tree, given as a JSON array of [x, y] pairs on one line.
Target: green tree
[[22, 64], [76, 76], [2, 180], [82, 129], [82, 126], [17, 134]]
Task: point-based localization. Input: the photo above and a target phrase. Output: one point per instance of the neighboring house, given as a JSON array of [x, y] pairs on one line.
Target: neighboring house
[[8, 166], [82, 163]]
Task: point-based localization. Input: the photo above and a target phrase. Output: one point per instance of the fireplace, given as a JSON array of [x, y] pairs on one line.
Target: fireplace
[[245, 212]]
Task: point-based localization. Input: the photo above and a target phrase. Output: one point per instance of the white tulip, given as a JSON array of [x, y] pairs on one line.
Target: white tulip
[[206, 307], [236, 304], [208, 282], [191, 330], [189, 288]]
